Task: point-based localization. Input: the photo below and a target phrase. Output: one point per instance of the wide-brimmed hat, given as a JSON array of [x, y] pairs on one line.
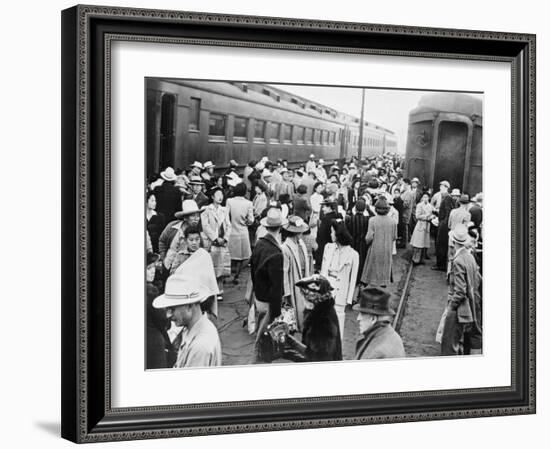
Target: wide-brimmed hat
[[152, 258], [168, 174], [196, 180], [188, 207], [196, 164], [180, 291], [233, 179], [459, 235], [312, 156], [445, 183], [464, 199], [321, 161], [208, 164], [374, 300], [233, 163], [296, 224], [415, 180], [316, 283], [455, 192], [259, 166], [273, 218]]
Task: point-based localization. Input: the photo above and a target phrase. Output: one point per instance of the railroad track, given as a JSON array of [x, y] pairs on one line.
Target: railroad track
[[400, 313]]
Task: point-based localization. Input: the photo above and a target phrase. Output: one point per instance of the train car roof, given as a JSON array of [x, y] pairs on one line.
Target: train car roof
[[449, 102], [276, 97]]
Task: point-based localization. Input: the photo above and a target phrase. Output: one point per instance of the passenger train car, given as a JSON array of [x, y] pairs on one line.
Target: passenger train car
[[219, 121], [444, 141]]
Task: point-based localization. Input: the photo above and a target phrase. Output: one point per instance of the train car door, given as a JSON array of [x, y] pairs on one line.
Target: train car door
[[167, 131], [451, 153]]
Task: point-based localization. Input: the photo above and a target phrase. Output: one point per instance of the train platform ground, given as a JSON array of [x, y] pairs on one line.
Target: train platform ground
[[426, 298]]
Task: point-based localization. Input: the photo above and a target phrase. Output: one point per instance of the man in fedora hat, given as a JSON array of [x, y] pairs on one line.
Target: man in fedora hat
[[200, 342], [266, 269], [197, 194], [168, 195], [378, 338], [462, 330], [207, 175]]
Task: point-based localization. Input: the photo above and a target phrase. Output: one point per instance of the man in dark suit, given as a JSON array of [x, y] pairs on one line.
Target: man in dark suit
[[196, 185], [301, 203], [168, 196], [442, 240], [266, 268]]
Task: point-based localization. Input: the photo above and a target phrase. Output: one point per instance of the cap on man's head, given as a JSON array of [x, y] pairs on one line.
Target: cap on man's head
[[445, 183]]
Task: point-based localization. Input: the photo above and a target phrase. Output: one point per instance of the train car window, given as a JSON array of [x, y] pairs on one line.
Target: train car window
[[240, 129], [287, 133], [309, 136], [333, 138], [274, 132], [259, 131], [316, 136], [294, 100], [194, 114], [266, 92], [324, 137], [300, 135], [216, 126]]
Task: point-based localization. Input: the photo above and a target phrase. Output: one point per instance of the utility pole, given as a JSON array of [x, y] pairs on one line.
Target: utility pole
[[360, 149]]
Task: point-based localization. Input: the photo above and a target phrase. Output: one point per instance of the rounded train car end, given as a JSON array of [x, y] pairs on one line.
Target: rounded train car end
[[444, 142]]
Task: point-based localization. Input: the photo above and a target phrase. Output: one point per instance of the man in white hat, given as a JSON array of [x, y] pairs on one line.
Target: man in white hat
[[197, 194], [200, 343], [168, 195], [321, 172], [196, 168], [311, 165], [283, 186], [462, 332], [266, 269], [207, 175], [172, 238]]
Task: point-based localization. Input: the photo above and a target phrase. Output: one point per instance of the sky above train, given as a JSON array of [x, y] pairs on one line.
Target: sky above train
[[385, 107]]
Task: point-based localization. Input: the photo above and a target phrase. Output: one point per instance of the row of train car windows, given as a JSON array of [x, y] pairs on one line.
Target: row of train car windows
[[264, 131], [367, 141]]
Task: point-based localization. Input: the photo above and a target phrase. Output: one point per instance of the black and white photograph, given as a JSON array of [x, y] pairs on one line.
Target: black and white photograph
[[310, 223]]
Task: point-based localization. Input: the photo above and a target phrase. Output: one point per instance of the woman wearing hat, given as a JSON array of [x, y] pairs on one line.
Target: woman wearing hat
[[217, 227], [420, 240], [378, 338], [381, 234], [340, 266], [296, 265], [321, 332], [241, 214]]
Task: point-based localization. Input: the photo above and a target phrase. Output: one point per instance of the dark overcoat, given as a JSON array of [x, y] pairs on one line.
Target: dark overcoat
[[266, 267], [168, 198]]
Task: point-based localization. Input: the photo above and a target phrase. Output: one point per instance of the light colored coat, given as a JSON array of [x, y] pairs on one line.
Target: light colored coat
[[340, 265], [292, 273], [200, 346], [421, 233], [241, 215], [380, 342], [381, 234]]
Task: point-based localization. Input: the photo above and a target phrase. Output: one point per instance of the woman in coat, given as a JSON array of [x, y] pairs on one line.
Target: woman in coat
[[296, 265], [217, 227], [242, 215], [381, 234], [155, 221], [340, 266], [420, 239]]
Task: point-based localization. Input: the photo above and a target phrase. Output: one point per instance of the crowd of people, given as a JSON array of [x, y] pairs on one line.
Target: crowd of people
[[319, 239]]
